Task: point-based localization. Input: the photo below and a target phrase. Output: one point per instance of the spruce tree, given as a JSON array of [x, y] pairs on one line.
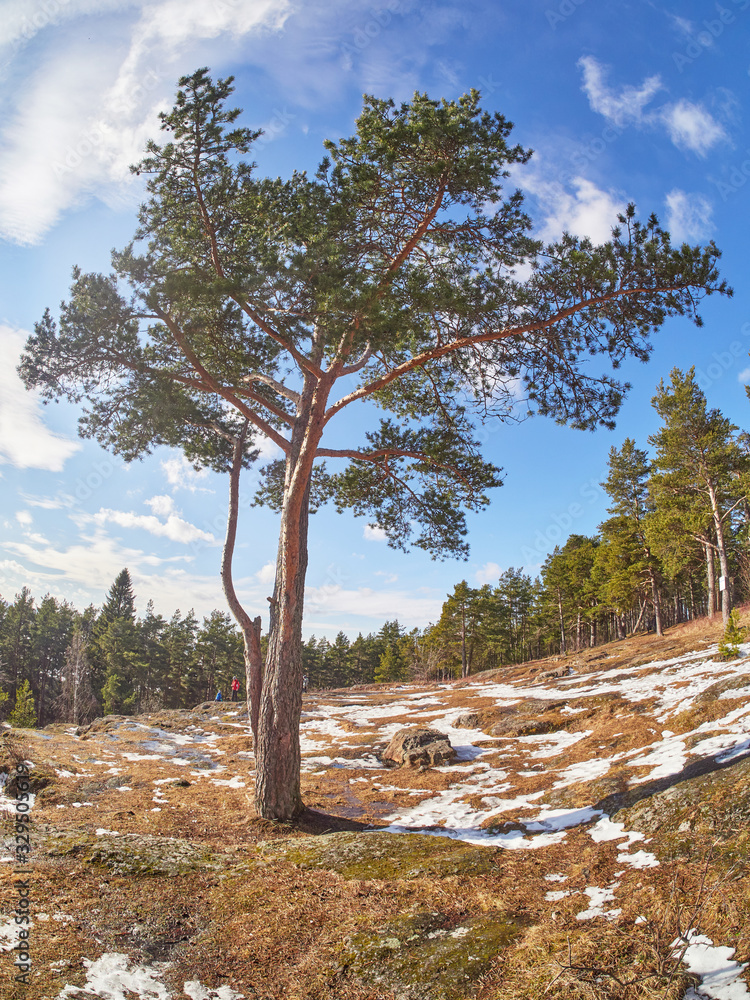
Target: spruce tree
[[23, 715]]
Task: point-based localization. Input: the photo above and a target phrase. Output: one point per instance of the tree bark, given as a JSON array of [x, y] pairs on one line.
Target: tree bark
[[710, 578], [726, 597], [464, 663], [277, 754], [640, 618], [563, 649], [655, 596]]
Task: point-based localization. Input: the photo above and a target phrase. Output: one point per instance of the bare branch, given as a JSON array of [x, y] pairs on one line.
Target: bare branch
[[282, 389]]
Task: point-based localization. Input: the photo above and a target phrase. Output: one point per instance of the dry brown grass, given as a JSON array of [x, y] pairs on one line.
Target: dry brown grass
[[273, 928]]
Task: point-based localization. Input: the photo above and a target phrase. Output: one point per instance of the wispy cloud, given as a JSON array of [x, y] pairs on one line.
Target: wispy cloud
[[165, 522], [689, 125], [82, 115], [181, 474], [374, 533], [689, 216], [620, 108], [489, 573], [582, 208], [25, 441]]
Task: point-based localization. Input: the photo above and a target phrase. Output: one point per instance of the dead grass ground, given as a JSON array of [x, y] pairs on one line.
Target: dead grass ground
[[146, 844]]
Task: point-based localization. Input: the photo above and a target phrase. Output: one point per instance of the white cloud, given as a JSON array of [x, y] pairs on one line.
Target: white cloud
[[267, 573], [744, 376], [587, 210], [23, 19], [689, 216], [689, 125], [162, 506], [380, 605], [374, 533], [24, 517], [489, 573], [622, 108], [93, 562], [175, 528], [182, 475], [83, 573], [83, 114], [25, 441]]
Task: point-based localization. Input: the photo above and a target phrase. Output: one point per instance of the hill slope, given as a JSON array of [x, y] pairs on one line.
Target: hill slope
[[590, 840]]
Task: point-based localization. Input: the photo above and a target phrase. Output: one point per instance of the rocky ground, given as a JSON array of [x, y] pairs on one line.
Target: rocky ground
[[589, 840]]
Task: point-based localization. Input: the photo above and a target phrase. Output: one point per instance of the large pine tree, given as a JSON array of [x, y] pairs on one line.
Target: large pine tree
[[699, 468], [247, 305]]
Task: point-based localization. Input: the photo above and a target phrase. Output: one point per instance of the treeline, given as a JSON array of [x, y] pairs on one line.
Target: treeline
[[107, 661], [674, 548]]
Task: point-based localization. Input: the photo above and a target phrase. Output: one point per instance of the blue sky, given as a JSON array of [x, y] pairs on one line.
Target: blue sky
[[635, 101]]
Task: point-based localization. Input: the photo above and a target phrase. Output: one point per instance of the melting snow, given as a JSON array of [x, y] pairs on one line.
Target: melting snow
[[720, 975]]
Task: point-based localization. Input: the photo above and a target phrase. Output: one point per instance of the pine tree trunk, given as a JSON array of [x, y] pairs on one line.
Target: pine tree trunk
[[464, 662], [726, 597], [640, 618], [277, 747], [563, 649], [710, 579], [655, 599]]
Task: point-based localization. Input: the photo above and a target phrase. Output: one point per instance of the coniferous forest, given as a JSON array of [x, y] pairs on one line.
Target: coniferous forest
[[673, 549]]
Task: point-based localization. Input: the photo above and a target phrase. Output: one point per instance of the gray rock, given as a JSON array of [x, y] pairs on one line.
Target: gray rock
[[419, 746]]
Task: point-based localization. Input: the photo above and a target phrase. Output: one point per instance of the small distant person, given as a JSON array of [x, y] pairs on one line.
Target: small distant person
[[235, 689], [305, 682], [218, 695]]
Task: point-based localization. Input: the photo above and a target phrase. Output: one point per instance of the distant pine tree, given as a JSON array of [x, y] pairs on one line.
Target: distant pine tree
[[23, 715]]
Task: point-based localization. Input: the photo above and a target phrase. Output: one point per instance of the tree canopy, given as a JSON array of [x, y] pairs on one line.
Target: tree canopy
[[250, 307]]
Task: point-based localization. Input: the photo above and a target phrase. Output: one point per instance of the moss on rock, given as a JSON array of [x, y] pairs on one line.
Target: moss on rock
[[132, 854], [712, 807], [383, 855], [422, 956]]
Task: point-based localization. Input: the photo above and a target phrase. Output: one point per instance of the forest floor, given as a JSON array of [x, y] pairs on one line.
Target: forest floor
[[590, 841]]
